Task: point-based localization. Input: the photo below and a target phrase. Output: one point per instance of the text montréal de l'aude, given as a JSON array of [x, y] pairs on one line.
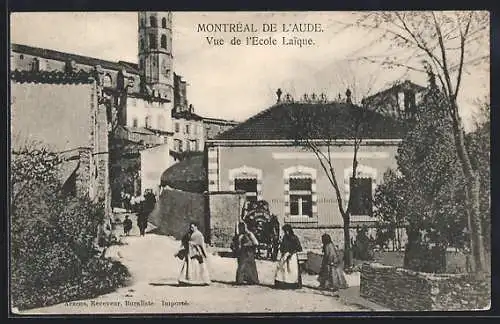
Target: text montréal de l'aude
[[261, 40]]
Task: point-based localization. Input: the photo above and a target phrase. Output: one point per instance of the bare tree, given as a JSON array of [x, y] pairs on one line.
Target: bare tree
[[448, 45], [323, 128]]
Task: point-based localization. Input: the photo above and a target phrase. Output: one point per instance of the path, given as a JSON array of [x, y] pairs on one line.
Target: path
[[154, 289]]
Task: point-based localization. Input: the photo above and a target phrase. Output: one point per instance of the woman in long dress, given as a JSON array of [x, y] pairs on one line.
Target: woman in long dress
[[331, 276], [287, 272], [193, 252], [245, 243]]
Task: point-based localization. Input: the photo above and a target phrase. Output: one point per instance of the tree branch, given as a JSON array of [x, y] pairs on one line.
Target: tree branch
[[463, 37]]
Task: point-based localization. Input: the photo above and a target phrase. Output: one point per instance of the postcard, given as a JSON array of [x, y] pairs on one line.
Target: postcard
[[249, 162]]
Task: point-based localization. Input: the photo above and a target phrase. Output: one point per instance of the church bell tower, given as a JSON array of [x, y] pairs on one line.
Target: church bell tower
[[155, 53]]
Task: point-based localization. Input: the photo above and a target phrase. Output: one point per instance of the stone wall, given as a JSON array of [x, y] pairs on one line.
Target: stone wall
[[101, 155], [174, 211], [310, 238], [405, 290], [85, 172], [225, 212]]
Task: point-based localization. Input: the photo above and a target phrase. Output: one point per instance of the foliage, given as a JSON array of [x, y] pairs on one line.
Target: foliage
[[429, 195], [363, 246], [434, 182], [389, 209], [54, 257], [448, 45], [478, 144], [124, 172]]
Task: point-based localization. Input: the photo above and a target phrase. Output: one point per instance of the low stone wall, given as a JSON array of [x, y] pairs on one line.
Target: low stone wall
[[224, 214], [406, 290], [310, 238], [174, 211]]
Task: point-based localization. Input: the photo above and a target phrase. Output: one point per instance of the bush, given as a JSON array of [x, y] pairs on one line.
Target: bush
[[54, 255]]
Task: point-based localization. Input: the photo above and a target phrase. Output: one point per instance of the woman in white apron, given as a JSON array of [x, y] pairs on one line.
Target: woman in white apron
[[288, 271]]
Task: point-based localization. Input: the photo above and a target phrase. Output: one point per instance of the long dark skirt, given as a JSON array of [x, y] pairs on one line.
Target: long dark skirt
[[247, 268], [332, 277]]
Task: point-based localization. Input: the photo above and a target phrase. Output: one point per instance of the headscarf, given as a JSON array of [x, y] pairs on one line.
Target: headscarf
[[326, 238], [288, 228]]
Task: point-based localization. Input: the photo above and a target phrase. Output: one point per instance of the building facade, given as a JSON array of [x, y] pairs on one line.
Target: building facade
[[145, 98], [81, 134], [214, 126], [398, 101], [188, 135], [153, 161], [262, 158]]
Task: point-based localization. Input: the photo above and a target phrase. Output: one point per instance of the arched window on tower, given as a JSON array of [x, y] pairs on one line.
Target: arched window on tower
[[164, 23], [163, 41], [152, 41], [152, 21]]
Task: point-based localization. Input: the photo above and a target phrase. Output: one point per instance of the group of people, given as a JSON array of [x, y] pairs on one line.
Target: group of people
[[195, 269], [143, 206]]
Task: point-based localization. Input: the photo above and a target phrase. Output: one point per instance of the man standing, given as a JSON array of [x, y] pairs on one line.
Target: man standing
[[147, 205]]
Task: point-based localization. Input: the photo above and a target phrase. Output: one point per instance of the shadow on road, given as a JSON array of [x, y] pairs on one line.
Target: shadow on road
[[234, 284], [170, 284]]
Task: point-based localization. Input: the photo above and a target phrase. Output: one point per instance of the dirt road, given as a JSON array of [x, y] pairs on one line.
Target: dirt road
[[154, 289]]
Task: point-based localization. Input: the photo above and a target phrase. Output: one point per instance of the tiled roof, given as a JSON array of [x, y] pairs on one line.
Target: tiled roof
[[219, 121], [52, 77], [139, 130], [319, 120], [188, 175], [86, 60], [186, 115]]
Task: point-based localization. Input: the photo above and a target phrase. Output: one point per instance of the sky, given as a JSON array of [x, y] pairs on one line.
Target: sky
[[236, 82]]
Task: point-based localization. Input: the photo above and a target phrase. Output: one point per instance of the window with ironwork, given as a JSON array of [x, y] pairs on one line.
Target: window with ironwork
[[249, 186], [300, 197], [164, 23], [135, 122], [360, 200]]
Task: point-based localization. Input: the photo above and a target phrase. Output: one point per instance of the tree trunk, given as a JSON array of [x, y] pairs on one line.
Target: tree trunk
[[472, 201], [398, 238], [476, 232], [347, 242]]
